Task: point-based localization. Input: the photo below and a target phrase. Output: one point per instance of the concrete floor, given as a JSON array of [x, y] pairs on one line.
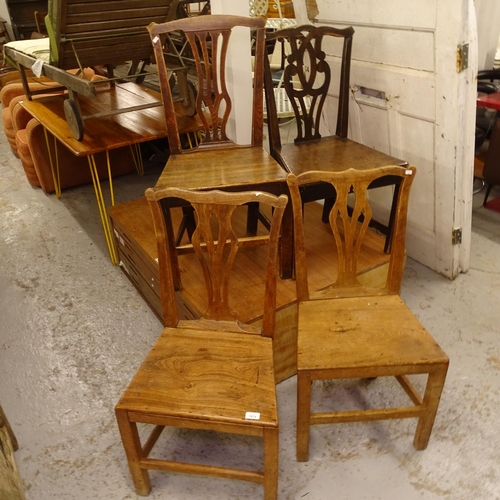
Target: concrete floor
[[73, 331]]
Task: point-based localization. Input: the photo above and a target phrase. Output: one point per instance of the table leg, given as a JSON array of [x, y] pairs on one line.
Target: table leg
[[54, 166], [102, 205], [136, 154]]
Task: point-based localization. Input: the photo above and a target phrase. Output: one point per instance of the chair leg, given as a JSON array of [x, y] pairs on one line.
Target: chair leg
[[327, 208], [303, 415], [12, 436], [271, 453], [252, 218], [133, 450], [433, 390], [488, 190]]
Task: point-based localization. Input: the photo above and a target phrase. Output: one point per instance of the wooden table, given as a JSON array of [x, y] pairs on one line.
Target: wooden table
[[104, 132]]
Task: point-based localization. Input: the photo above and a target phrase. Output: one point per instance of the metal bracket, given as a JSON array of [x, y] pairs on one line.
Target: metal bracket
[[456, 236], [462, 57]]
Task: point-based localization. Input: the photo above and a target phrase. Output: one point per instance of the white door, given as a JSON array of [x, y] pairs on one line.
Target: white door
[[409, 100]]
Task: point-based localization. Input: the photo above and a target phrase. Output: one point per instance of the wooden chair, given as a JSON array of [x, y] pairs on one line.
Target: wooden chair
[[348, 331], [307, 81], [218, 161], [214, 373]]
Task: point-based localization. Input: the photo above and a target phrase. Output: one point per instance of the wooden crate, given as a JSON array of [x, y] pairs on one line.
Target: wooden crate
[[136, 244]]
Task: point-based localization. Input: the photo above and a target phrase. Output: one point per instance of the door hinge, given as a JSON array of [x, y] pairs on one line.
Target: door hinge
[[456, 236], [462, 57]]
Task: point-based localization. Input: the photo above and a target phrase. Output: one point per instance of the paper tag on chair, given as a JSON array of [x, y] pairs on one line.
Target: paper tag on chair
[[252, 415], [37, 67]]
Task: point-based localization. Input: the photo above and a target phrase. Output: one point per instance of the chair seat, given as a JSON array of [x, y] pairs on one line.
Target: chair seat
[[379, 334], [241, 167], [333, 154], [206, 376]]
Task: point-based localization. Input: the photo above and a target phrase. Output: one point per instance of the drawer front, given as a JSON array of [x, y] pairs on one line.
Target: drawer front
[[145, 279], [149, 293], [148, 269]]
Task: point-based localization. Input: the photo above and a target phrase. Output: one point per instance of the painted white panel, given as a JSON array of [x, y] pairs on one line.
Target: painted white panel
[[417, 146], [405, 87], [377, 136], [417, 14], [239, 73], [383, 46], [408, 91]]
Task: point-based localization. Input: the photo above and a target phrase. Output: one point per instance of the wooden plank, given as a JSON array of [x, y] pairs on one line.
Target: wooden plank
[[103, 17], [100, 19], [91, 7], [88, 42], [128, 26], [79, 85]]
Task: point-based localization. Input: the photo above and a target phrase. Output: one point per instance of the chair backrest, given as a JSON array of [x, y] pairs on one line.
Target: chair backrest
[[40, 22], [85, 34], [216, 244], [208, 39], [491, 169], [349, 220], [307, 63]]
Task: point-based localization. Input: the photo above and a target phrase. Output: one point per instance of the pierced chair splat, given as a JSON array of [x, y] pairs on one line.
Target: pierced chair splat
[[309, 81], [347, 330], [214, 373], [223, 159]]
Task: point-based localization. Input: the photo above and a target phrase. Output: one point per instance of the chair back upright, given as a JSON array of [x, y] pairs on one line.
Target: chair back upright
[[349, 220], [208, 39], [216, 243], [307, 80]]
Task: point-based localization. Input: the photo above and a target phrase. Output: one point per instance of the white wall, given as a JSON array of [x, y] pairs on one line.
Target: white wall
[[488, 31], [239, 125], [4, 12]]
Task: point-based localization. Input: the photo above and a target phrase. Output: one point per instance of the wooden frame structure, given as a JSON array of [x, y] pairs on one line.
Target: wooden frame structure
[[88, 34]]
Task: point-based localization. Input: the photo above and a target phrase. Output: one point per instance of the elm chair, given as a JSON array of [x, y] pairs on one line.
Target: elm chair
[[350, 331], [218, 162], [213, 373], [308, 83]]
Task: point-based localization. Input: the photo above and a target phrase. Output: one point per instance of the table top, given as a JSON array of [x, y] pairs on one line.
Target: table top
[[111, 131], [491, 101]]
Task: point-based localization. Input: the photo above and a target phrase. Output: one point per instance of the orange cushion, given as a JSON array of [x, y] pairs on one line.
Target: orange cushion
[[25, 157]]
